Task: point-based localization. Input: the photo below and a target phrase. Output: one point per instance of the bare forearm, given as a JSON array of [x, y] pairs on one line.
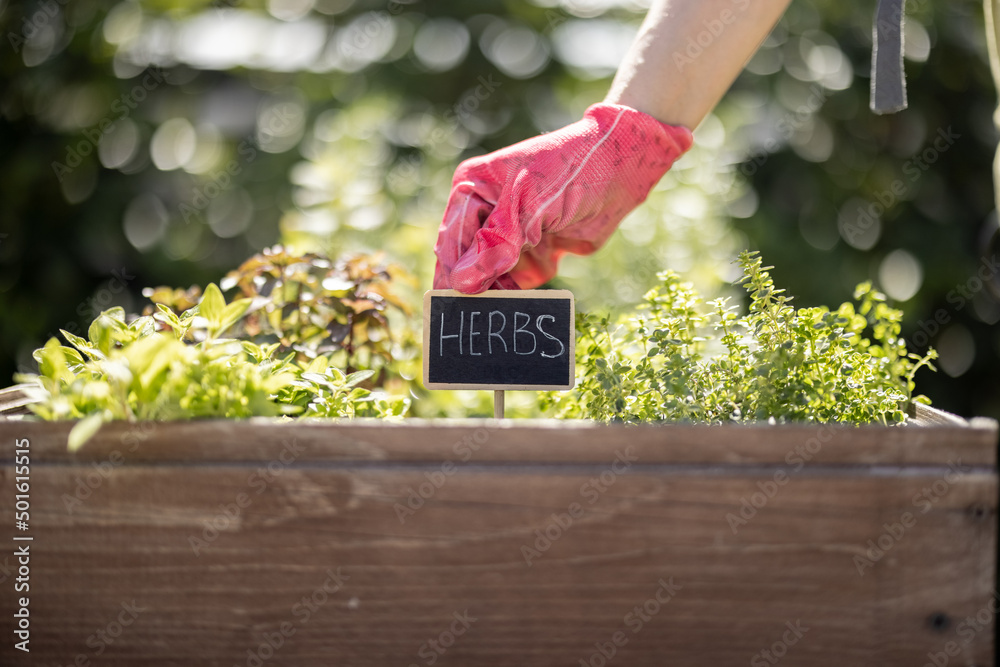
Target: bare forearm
[[688, 53]]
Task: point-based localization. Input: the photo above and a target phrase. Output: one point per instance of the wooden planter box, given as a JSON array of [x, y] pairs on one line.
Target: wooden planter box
[[526, 543]]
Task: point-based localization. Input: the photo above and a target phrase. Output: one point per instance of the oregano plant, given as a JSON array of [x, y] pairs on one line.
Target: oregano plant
[[680, 358]]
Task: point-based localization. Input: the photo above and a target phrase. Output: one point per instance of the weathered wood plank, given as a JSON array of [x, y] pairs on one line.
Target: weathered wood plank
[[737, 585], [485, 441], [15, 401]]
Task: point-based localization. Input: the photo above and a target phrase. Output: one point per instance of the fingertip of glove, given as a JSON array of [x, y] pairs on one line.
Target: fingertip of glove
[[469, 284], [506, 281]]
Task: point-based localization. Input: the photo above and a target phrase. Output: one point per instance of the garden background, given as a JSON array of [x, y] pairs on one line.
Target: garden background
[[160, 142]]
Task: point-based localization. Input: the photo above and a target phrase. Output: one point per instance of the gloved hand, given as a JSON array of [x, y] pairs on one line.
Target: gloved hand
[[513, 213]]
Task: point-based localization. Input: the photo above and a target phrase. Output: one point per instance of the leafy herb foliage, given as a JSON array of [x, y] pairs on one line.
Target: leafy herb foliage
[[682, 359], [254, 356]]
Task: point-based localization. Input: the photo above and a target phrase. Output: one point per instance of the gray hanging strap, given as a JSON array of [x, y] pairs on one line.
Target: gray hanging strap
[[888, 77]]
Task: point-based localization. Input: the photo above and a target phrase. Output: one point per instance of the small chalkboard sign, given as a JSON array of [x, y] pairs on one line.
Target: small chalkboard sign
[[500, 339]]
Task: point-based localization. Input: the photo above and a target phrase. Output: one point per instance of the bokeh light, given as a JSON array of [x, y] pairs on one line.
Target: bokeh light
[[900, 275], [145, 221], [860, 224], [289, 10], [230, 213], [593, 48], [957, 350], [117, 147], [441, 44], [173, 144], [516, 50]]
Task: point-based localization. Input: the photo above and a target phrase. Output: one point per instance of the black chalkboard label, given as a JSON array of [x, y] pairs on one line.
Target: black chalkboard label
[[500, 339]]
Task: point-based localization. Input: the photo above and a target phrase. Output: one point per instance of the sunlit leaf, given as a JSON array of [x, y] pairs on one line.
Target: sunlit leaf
[[84, 430], [213, 306]]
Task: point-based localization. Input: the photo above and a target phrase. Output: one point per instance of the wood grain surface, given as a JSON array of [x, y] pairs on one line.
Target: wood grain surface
[[259, 543], [534, 441]]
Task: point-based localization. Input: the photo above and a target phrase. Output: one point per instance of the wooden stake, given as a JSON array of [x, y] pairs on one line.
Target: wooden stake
[[498, 404]]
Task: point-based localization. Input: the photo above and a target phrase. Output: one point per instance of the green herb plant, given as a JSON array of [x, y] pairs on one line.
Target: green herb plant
[[683, 359], [314, 305], [203, 362], [346, 310]]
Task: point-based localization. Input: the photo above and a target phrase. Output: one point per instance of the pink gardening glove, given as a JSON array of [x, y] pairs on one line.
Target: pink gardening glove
[[513, 213]]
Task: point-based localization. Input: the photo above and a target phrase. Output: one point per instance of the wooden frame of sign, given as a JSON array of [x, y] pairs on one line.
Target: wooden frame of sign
[[478, 349]]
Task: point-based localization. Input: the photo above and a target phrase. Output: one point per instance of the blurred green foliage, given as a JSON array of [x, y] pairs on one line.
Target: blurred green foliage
[[162, 142]]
